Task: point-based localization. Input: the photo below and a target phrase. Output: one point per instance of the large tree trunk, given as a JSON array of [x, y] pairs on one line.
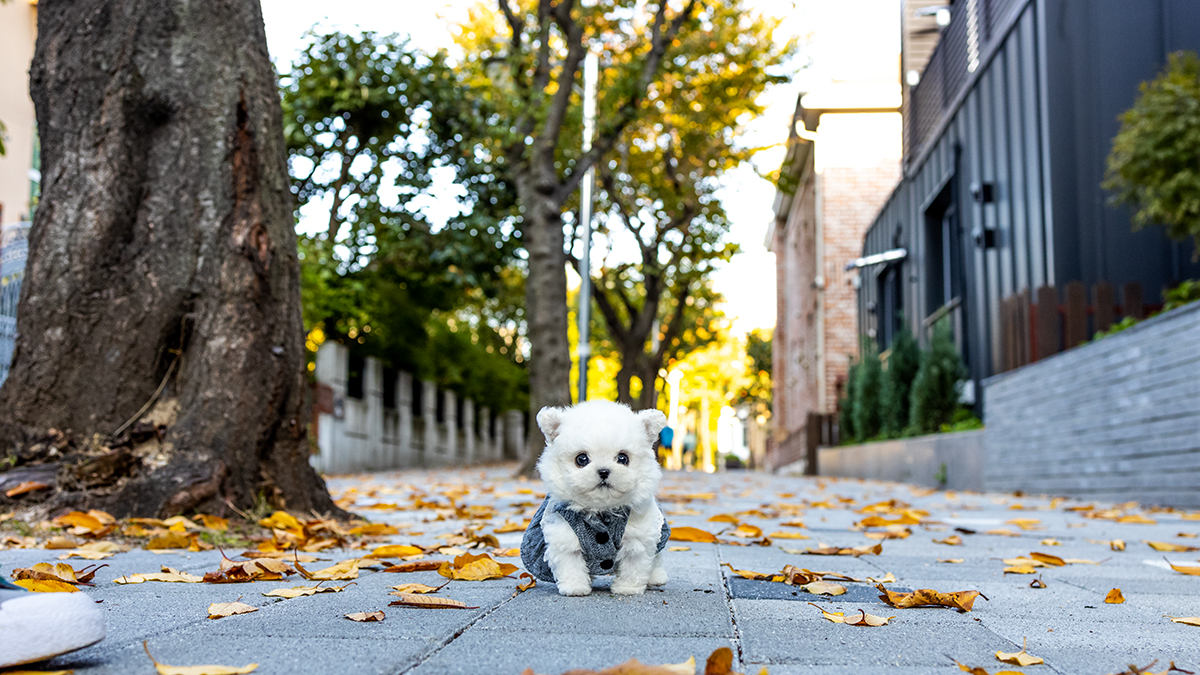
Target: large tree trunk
[[546, 312], [159, 366]]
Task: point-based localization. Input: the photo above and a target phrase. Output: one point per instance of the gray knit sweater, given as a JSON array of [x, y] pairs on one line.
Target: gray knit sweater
[[599, 533]]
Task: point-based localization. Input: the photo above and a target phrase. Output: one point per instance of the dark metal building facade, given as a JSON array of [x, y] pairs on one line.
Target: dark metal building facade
[[1006, 136]]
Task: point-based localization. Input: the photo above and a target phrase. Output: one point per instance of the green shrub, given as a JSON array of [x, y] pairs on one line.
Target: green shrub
[[1184, 293], [846, 406], [902, 366], [1154, 165], [935, 390], [963, 420], [868, 418]]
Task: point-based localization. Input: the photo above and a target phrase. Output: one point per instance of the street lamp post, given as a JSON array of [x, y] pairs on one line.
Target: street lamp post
[[584, 348], [673, 379]]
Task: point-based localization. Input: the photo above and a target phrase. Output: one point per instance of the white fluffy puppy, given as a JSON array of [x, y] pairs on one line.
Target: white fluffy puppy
[[600, 515]]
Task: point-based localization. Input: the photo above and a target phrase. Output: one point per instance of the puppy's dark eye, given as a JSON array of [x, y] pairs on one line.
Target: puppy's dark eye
[[622, 458], [581, 460]]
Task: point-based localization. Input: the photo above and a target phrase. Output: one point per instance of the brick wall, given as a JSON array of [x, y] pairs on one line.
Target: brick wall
[[1117, 420], [795, 375], [851, 198]]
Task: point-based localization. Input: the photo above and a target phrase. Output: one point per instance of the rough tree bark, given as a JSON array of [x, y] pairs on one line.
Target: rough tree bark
[[159, 366]]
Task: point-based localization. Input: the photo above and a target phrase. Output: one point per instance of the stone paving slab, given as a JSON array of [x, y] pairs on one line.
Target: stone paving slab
[[704, 606]]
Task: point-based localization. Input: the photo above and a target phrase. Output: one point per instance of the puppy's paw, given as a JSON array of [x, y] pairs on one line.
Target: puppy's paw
[[658, 577], [574, 588], [620, 587]]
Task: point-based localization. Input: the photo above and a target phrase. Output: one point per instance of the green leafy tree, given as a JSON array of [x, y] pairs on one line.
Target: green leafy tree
[[902, 365], [370, 123], [936, 389], [758, 357], [523, 60], [1155, 160], [658, 190], [868, 389]]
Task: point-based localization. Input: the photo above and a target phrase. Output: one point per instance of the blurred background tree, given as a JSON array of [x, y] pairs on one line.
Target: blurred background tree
[[657, 210], [1154, 165], [372, 124]]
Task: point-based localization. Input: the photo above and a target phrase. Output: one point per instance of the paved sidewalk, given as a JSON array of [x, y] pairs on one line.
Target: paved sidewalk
[[703, 607]]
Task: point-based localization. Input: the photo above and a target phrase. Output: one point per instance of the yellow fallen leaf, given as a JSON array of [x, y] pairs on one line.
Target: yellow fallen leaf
[[952, 540], [1183, 569], [1021, 658], [724, 518], [747, 532], [787, 535], [1114, 544], [374, 530], [85, 554], [1168, 547], [1188, 535], [219, 610], [1137, 519], [282, 520], [169, 540], [1051, 542], [863, 619], [950, 560], [1020, 569], [482, 567], [1081, 561], [524, 586], [214, 522], [417, 588], [926, 597], [679, 548], [167, 574], [1003, 532], [855, 551], [824, 588], [1186, 620], [793, 523], [692, 534], [506, 552], [303, 591], [509, 527], [395, 551], [1025, 523], [364, 617], [416, 566], [1114, 597], [428, 602], [60, 542], [343, 571], [1048, 559], [164, 669], [46, 586]]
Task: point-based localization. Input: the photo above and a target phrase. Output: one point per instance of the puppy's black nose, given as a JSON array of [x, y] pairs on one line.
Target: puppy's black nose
[[603, 473]]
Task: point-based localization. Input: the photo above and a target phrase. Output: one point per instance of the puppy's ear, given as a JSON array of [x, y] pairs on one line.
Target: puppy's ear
[[549, 420], [653, 421]]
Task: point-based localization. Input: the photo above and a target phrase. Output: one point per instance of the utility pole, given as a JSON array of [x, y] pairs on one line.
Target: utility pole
[[584, 348], [676, 462]]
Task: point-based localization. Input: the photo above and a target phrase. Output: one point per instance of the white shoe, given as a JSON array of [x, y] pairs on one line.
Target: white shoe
[[38, 626]]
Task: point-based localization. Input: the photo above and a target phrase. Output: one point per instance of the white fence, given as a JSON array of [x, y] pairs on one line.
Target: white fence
[[14, 248], [375, 430]]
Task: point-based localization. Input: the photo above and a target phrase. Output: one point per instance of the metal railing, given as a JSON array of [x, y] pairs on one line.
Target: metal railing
[[14, 249], [975, 28]]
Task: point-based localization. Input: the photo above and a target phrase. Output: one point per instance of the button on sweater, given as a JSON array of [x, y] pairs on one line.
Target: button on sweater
[[599, 534]]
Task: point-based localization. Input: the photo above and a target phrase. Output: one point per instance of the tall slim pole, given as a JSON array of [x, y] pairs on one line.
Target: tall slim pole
[[584, 348]]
